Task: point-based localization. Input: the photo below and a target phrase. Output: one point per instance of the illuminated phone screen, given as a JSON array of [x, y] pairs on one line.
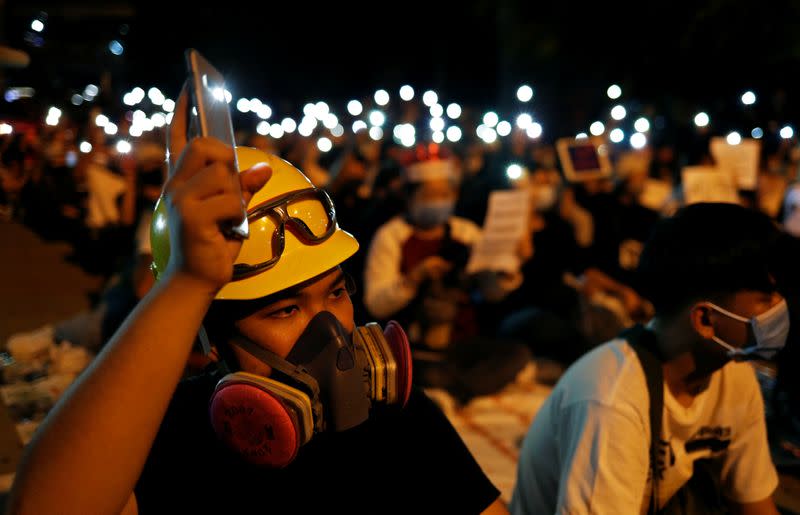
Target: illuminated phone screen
[[584, 158]]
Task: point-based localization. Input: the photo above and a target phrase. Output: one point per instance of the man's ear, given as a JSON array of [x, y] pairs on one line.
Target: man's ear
[[700, 320]]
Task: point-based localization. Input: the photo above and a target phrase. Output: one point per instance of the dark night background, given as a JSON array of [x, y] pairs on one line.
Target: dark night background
[[671, 59]]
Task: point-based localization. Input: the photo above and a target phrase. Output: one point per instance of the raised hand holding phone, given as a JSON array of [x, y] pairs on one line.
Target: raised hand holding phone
[[213, 120], [199, 197]]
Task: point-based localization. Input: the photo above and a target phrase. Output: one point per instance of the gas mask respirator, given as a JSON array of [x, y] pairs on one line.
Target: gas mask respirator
[[329, 381]]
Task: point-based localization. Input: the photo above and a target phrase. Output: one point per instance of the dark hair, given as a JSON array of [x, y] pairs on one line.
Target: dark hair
[[707, 251]]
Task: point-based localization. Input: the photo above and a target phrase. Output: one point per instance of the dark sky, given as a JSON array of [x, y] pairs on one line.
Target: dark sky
[[675, 56]]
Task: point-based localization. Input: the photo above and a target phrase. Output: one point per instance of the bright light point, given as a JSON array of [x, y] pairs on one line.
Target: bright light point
[[524, 121], [581, 135], [453, 134], [381, 97], [338, 131], [123, 147], [504, 128], [437, 124], [408, 141], [638, 140], [168, 105], [359, 125], [616, 135], [54, 112], [51, 121], [85, 147], [406, 92], [156, 97], [91, 90], [377, 119], [641, 125], [37, 25], [734, 138], [438, 136], [304, 129], [757, 133], [330, 121], [158, 119], [525, 93], [263, 128], [110, 128], [308, 109], [101, 120], [489, 135], [324, 144], [787, 132], [354, 107], [749, 98], [454, 111], [136, 130], [6, 128], [321, 109], [437, 110], [403, 131], [243, 105], [76, 100], [597, 128], [429, 98], [138, 93], [614, 92], [618, 112], [169, 117], [534, 130], [490, 119], [701, 119], [514, 172], [376, 133], [115, 47], [288, 125], [264, 111], [139, 115], [276, 131]]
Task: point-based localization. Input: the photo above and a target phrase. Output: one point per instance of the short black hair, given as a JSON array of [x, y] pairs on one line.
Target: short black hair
[[707, 251]]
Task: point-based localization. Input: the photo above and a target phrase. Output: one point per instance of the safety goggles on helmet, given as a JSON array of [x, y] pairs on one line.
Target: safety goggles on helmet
[[309, 213]]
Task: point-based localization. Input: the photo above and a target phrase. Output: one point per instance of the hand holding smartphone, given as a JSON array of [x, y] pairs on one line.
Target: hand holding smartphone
[[213, 119]]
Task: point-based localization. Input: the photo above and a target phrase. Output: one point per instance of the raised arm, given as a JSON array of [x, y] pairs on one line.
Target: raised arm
[[88, 453]]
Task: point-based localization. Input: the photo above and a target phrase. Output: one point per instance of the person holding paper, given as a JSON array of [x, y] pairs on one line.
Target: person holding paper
[[415, 273]]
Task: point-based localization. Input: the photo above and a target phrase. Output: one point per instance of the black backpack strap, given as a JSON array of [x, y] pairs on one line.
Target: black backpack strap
[[643, 342]]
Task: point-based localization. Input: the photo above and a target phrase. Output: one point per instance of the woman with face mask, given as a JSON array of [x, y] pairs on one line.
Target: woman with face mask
[[303, 412], [415, 273]]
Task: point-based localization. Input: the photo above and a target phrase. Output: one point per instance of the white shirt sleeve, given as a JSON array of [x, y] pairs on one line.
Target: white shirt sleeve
[[385, 289], [748, 474], [604, 456]]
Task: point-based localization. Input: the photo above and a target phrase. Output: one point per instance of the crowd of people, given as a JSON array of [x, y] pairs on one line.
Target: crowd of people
[[417, 214]]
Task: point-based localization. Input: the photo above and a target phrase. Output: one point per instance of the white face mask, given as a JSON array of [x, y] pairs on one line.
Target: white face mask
[[770, 329]]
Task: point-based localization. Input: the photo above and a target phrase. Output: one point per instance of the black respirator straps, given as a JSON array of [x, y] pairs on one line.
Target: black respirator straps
[[296, 373]]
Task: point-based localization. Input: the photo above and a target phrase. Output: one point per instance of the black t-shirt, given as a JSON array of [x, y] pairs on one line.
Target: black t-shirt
[[407, 460]]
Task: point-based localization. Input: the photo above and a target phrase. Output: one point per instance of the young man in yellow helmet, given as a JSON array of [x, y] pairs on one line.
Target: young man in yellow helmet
[[307, 412]]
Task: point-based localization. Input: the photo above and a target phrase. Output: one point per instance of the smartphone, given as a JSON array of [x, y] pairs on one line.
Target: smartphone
[[213, 119]]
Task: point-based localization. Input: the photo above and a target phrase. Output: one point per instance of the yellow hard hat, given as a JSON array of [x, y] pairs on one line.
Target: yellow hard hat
[[309, 249]]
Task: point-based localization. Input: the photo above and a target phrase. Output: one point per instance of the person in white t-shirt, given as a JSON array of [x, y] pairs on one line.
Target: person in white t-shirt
[[707, 272]]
